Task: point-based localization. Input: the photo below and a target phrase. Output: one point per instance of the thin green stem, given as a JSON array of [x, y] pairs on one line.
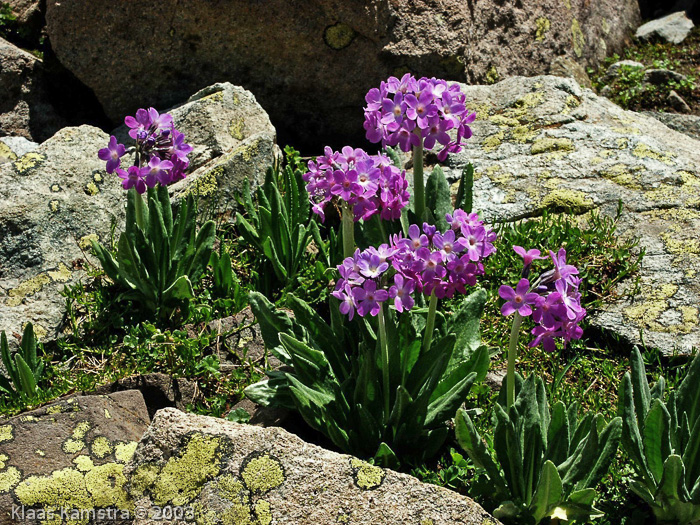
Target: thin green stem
[[348, 230], [430, 325], [418, 186], [512, 356], [384, 348]]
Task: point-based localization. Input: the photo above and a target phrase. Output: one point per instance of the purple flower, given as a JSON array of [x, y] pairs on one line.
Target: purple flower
[[347, 301], [112, 154], [528, 256], [156, 171], [138, 124], [368, 298], [518, 300], [401, 292], [372, 266], [132, 179]]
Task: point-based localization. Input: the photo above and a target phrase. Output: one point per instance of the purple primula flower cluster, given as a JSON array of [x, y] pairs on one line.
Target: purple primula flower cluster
[[160, 152], [427, 261], [553, 300], [371, 184], [407, 111]]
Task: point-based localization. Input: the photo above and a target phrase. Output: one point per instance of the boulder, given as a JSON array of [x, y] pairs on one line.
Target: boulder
[[687, 124], [55, 199], [231, 473], [25, 109], [544, 143], [672, 28], [678, 103], [660, 77], [69, 455], [29, 18], [311, 63], [11, 148], [615, 69]]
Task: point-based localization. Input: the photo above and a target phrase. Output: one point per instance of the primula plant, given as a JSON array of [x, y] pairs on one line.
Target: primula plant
[[160, 254], [416, 115], [662, 438], [547, 463], [385, 389]]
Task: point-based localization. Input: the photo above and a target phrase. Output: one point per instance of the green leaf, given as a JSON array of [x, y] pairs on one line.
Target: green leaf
[[26, 377], [558, 435], [688, 393], [672, 486], [548, 493], [271, 392], [464, 323], [437, 198], [28, 347], [608, 442], [641, 393], [469, 439], [508, 447], [656, 438], [272, 323], [631, 435], [386, 457], [271, 254], [443, 406], [691, 455], [465, 189], [180, 290]]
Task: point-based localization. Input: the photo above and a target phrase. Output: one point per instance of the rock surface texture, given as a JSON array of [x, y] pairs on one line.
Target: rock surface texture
[[70, 455], [544, 143], [230, 473], [55, 199], [25, 110], [312, 71], [671, 28]]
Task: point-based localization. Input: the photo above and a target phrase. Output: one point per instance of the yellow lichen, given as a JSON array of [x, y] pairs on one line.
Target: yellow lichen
[[27, 288], [523, 134], [105, 483], [492, 142], [6, 433], [367, 476], [650, 304], [183, 477], [622, 175], [339, 36], [86, 240], [643, 151], [9, 479], [548, 144], [214, 97], [427, 521], [62, 274], [55, 188], [54, 206], [229, 487], [207, 183], [3, 459], [101, 447], [40, 453], [81, 429], [543, 25], [73, 446], [236, 128], [574, 200], [238, 514], [501, 120], [92, 189], [530, 100], [123, 452], [605, 25], [262, 474], [28, 161], [6, 152], [63, 488], [622, 143], [83, 463], [144, 478], [577, 37], [262, 511]]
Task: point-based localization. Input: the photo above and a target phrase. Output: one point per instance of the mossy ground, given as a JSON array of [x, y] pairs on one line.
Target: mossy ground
[[628, 90]]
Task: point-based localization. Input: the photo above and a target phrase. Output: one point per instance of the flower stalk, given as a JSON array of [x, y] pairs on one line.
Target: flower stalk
[[430, 325], [384, 349], [418, 185], [512, 356], [348, 230]]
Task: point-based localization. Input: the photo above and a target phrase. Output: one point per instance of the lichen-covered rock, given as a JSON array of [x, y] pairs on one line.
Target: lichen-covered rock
[[11, 148], [672, 28], [688, 124], [69, 455], [55, 199], [230, 473], [544, 143], [312, 70], [25, 109]]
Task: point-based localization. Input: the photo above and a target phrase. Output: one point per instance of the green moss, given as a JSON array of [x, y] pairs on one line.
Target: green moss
[[574, 200], [492, 75], [28, 161], [339, 36], [367, 476], [579, 41], [551, 144], [9, 479], [6, 433], [262, 473], [101, 447], [543, 25], [123, 452], [182, 477]]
